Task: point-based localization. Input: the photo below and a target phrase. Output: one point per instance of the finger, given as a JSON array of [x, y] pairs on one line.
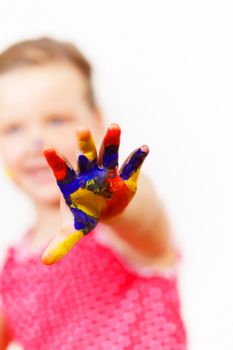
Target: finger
[[70, 234], [62, 170], [86, 143], [84, 164], [109, 149], [61, 245], [131, 167]]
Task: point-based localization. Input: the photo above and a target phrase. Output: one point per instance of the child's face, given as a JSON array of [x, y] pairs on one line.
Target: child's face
[[39, 107]]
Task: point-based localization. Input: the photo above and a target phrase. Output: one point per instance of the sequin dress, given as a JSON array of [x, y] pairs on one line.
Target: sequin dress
[[90, 300]]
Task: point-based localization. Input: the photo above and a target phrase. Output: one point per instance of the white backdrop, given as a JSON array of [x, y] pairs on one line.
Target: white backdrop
[[163, 71]]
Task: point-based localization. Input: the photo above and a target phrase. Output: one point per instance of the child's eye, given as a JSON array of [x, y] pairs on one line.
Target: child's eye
[[12, 129], [57, 120]]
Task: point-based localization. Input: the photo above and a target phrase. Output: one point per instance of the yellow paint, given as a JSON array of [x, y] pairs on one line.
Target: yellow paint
[[132, 181], [90, 182], [62, 248], [9, 172], [88, 202], [87, 147]]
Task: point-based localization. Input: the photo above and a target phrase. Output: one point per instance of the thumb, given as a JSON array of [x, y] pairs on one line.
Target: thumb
[[65, 240], [61, 245]]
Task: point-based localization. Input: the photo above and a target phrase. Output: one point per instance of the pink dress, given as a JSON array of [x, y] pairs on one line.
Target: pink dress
[[90, 300]]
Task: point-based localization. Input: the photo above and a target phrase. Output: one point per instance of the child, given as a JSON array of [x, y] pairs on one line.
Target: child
[[96, 271]]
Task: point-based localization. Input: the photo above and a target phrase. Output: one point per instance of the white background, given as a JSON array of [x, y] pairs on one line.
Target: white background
[[164, 72]]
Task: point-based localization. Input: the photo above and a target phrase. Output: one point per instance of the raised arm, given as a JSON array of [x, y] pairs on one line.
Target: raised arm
[[144, 227]]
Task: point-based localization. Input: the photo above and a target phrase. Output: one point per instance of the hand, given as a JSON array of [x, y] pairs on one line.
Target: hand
[[96, 191]]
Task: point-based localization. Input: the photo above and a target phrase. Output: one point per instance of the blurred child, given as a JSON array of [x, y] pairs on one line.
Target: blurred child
[[97, 269]]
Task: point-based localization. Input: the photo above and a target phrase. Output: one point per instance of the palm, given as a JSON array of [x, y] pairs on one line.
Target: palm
[[97, 190]]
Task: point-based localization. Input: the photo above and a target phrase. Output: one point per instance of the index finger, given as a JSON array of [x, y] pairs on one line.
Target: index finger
[[62, 170]]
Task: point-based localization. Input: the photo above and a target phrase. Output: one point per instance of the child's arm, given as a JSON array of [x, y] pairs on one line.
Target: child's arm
[[4, 334], [145, 228]]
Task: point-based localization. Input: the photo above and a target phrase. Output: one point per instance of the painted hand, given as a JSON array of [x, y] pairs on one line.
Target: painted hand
[[96, 191]]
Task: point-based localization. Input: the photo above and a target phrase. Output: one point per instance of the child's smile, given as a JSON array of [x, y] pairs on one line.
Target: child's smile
[[43, 109]]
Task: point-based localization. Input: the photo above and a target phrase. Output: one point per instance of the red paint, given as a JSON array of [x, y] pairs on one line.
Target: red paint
[[57, 164], [113, 136], [121, 196]]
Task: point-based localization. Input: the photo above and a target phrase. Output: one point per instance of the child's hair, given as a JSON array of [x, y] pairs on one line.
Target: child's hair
[[46, 50]]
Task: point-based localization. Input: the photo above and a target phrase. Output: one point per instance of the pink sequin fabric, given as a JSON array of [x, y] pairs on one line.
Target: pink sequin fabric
[[89, 301]]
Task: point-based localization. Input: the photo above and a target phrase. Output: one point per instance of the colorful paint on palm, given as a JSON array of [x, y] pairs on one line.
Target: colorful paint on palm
[[97, 189]]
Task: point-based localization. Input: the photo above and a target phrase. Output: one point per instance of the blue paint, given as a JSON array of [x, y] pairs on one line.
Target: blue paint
[[85, 165], [93, 180], [83, 221], [133, 164], [110, 157]]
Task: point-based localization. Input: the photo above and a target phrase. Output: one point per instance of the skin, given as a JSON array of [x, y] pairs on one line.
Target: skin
[[96, 191], [42, 113]]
